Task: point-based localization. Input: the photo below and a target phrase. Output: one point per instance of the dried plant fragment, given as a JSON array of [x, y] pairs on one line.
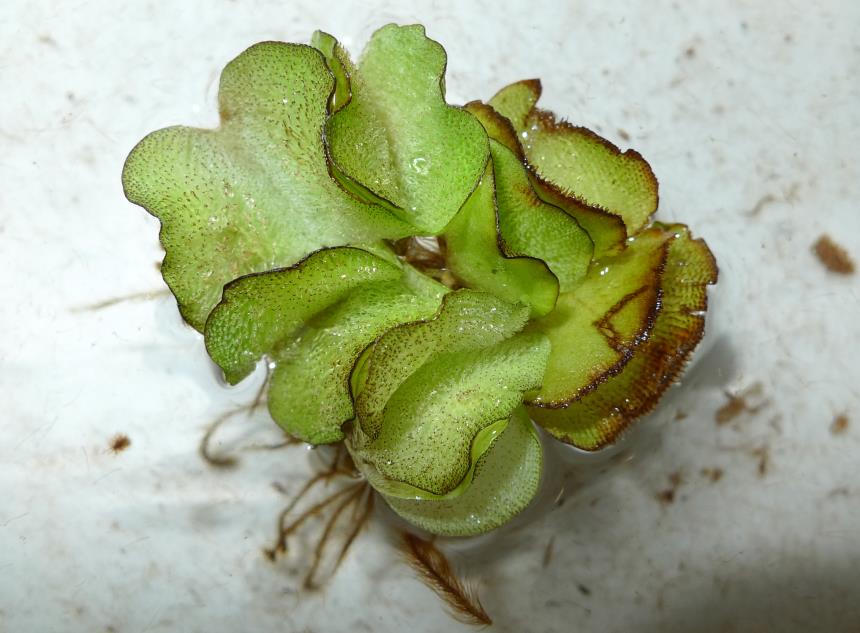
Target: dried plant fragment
[[437, 573], [736, 404], [109, 303], [835, 258]]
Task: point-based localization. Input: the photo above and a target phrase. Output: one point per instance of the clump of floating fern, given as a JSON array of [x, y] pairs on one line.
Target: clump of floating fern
[[426, 280]]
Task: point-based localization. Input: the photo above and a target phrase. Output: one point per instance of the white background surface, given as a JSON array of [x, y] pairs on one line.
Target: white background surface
[[732, 105]]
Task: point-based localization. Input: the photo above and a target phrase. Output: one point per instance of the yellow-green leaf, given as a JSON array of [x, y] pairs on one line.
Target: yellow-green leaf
[[398, 137], [256, 193]]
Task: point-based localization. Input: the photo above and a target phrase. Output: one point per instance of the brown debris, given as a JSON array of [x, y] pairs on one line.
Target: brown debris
[[119, 443], [107, 303], [761, 203], [668, 495], [737, 404], [548, 552], [714, 474], [834, 257], [763, 455], [731, 409], [840, 424], [623, 135]]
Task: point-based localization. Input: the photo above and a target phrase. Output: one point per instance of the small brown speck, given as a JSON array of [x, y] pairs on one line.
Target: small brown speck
[[714, 474], [666, 496], [833, 256], [119, 443], [548, 552], [690, 53], [763, 455], [680, 415], [840, 424], [585, 591], [623, 135]]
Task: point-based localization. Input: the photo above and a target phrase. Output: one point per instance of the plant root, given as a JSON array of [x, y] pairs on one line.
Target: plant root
[[226, 460], [357, 495]]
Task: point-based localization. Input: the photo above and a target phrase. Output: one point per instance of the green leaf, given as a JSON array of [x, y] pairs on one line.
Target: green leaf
[[514, 104], [527, 225], [393, 488], [431, 387], [256, 193], [589, 168], [597, 418], [431, 421], [398, 138], [309, 387], [606, 230], [506, 478], [467, 321], [498, 128], [532, 227], [261, 312], [516, 101], [477, 255], [596, 327], [340, 65]]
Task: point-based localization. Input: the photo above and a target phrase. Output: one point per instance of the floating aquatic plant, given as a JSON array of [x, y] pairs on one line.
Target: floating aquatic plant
[[425, 280]]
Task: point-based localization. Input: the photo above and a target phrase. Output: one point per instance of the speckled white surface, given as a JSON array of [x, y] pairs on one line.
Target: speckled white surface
[[749, 116]]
